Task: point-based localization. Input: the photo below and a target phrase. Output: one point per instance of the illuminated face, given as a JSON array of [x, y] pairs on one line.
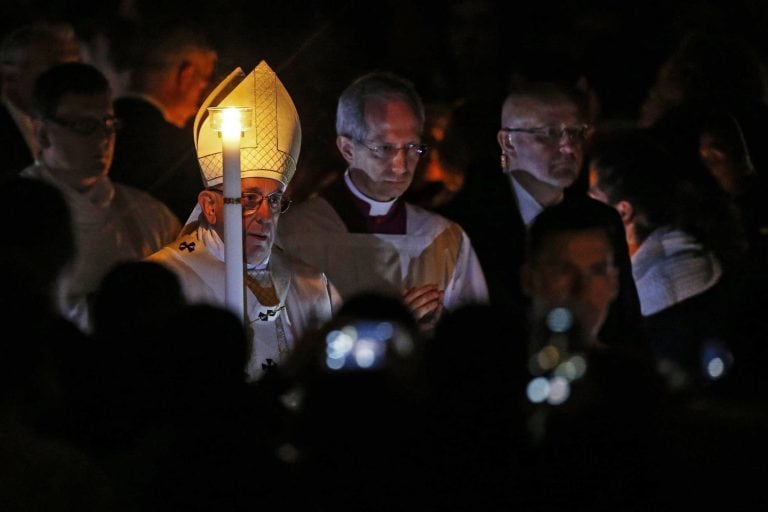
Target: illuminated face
[[259, 224], [575, 269], [555, 162], [79, 140], [383, 177]]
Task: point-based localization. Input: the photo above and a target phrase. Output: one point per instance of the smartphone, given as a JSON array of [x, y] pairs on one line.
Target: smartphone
[[365, 345]]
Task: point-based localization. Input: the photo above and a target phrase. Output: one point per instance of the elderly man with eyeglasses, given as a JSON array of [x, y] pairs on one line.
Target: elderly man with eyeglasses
[[75, 128], [361, 232], [543, 136], [284, 298]]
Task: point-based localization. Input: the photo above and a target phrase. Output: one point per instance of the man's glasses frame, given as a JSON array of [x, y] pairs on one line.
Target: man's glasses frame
[[251, 201], [88, 125], [554, 134], [389, 151]]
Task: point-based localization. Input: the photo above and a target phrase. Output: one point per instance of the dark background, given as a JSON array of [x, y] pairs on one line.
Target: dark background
[[454, 51]]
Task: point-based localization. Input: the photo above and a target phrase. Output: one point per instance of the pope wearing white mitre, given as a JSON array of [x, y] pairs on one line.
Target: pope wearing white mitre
[[284, 297]]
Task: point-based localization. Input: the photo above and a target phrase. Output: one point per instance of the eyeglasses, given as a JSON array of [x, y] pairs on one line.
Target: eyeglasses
[[554, 134], [388, 151], [251, 201], [88, 125]]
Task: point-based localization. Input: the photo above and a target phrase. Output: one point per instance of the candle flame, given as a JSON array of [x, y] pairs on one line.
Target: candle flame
[[231, 125]]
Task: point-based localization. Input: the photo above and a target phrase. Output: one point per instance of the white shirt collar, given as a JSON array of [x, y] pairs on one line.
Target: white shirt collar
[[529, 207], [377, 207]]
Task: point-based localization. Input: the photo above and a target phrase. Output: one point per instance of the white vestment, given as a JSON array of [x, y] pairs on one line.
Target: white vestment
[[112, 223], [433, 250], [306, 299]]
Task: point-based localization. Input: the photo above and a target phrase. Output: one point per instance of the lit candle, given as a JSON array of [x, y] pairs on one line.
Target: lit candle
[[230, 127]]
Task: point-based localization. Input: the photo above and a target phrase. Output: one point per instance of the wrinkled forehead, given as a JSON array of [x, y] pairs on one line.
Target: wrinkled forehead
[[391, 120], [389, 109], [540, 112]]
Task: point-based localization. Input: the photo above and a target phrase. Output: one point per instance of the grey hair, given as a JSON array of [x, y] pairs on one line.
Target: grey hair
[[377, 85]]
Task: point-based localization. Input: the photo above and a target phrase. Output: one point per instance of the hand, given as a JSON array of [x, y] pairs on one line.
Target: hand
[[426, 304]]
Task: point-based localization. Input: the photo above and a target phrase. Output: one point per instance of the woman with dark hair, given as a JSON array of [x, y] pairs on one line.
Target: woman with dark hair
[[682, 240]]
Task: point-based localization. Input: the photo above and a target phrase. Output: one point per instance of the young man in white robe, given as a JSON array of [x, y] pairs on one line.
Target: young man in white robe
[[75, 127]]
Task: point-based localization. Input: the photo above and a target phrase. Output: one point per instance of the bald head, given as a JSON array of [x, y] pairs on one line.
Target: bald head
[[541, 138], [525, 96]]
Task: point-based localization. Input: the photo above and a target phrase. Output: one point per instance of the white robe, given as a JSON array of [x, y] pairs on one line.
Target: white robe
[[306, 298], [671, 266], [433, 250], [112, 223]]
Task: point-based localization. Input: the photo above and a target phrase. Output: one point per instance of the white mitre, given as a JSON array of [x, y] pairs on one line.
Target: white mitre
[[270, 148]]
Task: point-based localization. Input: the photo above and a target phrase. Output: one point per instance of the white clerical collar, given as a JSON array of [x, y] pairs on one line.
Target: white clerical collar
[[377, 207], [529, 207], [261, 266]]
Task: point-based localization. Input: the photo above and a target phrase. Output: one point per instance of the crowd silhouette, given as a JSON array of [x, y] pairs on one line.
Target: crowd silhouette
[[618, 362]]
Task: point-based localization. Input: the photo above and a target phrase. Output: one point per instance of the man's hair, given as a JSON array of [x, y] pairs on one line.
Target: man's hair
[[544, 92], [67, 78], [571, 216], [630, 165], [374, 86]]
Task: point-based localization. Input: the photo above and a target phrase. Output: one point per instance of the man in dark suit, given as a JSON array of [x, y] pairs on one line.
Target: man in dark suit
[[542, 139], [155, 149], [26, 52]]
